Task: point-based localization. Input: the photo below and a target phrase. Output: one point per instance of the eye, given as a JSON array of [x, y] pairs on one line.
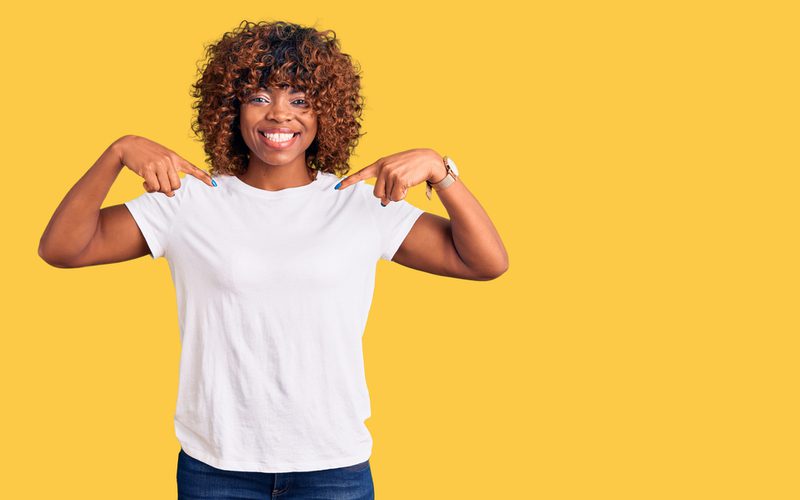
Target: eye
[[305, 103]]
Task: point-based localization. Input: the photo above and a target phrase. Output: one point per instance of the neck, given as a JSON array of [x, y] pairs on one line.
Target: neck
[[277, 177]]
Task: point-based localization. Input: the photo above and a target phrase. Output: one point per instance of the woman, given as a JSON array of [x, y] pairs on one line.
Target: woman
[[273, 260]]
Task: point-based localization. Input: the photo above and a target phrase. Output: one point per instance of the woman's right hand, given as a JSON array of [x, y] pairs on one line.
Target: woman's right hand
[[156, 164]]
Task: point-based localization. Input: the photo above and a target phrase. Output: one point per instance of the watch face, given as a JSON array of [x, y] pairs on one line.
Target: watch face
[[452, 165]]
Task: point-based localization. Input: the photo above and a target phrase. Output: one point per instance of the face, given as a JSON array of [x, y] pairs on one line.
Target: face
[[287, 119]]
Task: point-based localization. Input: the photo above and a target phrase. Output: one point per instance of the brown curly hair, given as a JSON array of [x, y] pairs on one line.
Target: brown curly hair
[[271, 54]]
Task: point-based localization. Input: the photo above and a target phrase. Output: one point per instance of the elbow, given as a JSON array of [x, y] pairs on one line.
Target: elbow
[[495, 271], [51, 259], [495, 275], [47, 258], [43, 255]]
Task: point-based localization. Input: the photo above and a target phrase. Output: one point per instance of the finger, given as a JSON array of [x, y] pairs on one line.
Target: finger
[[163, 181], [174, 179], [400, 190], [388, 188], [151, 184], [201, 174], [365, 173], [380, 190]]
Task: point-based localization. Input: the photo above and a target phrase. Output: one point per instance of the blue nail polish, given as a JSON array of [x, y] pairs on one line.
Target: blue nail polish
[[382, 204], [337, 186], [214, 182]]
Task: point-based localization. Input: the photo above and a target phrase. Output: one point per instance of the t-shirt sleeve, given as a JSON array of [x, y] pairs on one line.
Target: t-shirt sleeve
[[394, 221], [155, 213]]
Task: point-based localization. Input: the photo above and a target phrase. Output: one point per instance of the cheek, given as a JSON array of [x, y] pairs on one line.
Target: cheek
[[244, 126], [313, 131], [249, 141], [310, 139]]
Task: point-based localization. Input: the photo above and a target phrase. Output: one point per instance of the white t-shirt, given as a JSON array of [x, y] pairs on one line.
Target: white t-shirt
[[273, 291]]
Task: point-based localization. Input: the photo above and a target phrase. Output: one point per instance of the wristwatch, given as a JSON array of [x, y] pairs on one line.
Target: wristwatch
[[449, 178]]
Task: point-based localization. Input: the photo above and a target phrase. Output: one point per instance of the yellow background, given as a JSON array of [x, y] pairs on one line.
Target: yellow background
[[639, 160]]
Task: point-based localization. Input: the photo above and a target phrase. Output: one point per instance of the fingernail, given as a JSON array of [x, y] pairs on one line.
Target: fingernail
[[214, 182], [337, 186], [382, 204]]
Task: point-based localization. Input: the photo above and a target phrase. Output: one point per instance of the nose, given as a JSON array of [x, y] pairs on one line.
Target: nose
[[279, 111]]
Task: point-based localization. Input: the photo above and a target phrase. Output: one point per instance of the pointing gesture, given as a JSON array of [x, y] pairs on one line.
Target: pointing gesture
[[158, 165], [398, 172]]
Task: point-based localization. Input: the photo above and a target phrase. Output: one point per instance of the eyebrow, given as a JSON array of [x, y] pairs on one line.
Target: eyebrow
[[293, 91]]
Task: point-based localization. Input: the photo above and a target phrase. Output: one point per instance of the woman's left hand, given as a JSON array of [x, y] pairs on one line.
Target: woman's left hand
[[398, 172]]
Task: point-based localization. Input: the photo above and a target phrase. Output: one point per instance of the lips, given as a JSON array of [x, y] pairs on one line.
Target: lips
[[279, 145], [264, 132], [279, 130]]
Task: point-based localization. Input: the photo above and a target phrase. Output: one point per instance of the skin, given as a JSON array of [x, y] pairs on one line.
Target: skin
[[268, 168], [81, 234], [465, 246]]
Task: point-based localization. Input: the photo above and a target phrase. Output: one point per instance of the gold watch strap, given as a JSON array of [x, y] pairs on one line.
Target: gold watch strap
[[449, 179]]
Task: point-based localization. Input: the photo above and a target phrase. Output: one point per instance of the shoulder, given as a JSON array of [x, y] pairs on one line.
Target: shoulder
[[194, 188], [189, 182], [189, 185], [362, 188]]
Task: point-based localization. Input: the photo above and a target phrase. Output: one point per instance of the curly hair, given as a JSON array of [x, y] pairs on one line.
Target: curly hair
[[272, 54]]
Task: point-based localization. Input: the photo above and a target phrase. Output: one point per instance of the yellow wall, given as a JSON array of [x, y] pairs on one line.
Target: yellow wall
[[639, 160]]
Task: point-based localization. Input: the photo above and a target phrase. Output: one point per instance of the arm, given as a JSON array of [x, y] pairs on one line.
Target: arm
[[80, 233], [466, 246]]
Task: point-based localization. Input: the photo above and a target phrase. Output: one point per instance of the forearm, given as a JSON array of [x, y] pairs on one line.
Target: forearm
[[474, 235], [75, 220]]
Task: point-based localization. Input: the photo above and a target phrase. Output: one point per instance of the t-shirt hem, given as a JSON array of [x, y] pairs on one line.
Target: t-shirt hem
[[240, 466]]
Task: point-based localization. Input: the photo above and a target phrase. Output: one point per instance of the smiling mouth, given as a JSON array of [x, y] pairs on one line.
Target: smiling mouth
[[264, 133], [279, 144]]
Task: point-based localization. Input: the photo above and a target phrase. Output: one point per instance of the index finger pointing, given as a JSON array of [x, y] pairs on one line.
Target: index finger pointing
[[364, 173], [199, 173]]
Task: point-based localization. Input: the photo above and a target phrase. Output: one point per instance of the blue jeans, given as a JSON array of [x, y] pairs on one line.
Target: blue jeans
[[198, 480]]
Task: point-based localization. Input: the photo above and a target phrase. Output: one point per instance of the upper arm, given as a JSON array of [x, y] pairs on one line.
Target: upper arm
[[138, 227], [116, 239], [429, 247]]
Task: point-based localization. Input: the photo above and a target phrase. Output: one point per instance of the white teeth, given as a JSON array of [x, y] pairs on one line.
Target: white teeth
[[277, 137]]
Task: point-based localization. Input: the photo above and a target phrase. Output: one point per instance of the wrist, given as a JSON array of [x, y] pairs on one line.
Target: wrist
[[438, 174], [117, 149]]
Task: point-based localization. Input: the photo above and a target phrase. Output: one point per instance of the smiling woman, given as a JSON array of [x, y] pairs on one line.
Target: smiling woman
[[283, 68], [274, 259]]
